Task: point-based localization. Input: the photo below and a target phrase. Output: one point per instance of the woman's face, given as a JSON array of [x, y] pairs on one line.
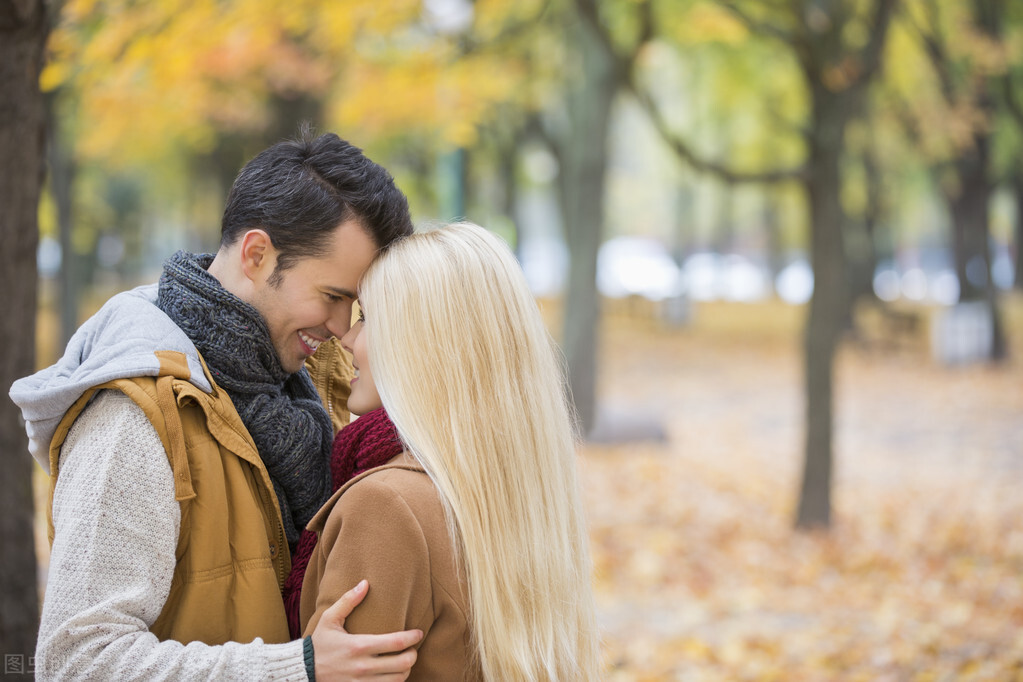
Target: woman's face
[[364, 397]]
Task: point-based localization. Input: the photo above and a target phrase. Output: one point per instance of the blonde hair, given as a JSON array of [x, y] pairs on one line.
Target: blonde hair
[[474, 384]]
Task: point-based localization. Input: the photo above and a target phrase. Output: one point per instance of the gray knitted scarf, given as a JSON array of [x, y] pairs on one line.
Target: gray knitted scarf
[[282, 412]]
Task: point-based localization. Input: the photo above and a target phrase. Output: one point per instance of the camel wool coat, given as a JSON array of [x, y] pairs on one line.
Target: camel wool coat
[[387, 526]]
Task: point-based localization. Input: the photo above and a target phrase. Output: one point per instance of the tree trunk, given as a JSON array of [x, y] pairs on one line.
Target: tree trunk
[[23, 31], [452, 168], [1017, 192], [969, 224], [62, 172], [827, 307], [683, 234], [969, 200], [724, 236], [507, 172], [834, 104], [772, 232], [969, 205], [865, 261], [583, 156]]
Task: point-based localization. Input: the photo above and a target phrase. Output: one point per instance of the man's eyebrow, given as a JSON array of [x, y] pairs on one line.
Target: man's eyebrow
[[342, 292]]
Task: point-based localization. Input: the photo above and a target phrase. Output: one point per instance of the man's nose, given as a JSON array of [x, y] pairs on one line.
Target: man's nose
[[339, 324]]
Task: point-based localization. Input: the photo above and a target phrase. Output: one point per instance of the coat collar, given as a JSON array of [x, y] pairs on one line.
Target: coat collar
[[403, 461]]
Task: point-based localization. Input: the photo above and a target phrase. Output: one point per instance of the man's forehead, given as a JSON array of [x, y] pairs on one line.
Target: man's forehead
[[347, 255]]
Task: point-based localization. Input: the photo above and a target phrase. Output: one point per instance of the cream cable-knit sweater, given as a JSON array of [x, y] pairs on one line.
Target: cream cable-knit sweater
[[112, 561]]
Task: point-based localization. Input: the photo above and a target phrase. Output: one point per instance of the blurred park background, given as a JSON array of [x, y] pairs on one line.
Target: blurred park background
[[777, 240]]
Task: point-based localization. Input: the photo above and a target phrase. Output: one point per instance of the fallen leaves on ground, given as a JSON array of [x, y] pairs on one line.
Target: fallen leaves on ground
[[699, 573]]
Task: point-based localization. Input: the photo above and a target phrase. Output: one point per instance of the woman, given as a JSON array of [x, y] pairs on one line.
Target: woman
[[474, 533]]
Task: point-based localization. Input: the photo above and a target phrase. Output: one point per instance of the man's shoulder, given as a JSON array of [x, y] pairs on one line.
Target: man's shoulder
[[110, 412], [113, 435], [120, 341], [131, 320]]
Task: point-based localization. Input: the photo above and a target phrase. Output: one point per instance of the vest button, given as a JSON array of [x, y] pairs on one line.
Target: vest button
[[273, 550]]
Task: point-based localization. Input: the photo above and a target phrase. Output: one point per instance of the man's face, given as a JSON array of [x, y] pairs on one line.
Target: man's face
[[312, 300]]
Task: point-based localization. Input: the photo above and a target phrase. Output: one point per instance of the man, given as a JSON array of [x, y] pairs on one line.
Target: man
[[188, 446]]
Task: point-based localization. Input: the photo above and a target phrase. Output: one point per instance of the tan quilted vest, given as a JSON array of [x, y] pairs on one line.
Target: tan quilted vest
[[232, 556]]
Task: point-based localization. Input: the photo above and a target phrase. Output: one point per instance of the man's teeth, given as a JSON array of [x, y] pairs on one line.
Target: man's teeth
[[309, 341]]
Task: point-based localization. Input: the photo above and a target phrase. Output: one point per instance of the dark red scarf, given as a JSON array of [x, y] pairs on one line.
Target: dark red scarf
[[366, 443]]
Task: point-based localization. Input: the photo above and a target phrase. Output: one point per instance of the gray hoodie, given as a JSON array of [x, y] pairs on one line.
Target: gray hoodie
[[116, 519], [118, 342]]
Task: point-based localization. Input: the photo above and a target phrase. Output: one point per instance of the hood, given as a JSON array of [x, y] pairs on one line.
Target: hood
[[118, 342]]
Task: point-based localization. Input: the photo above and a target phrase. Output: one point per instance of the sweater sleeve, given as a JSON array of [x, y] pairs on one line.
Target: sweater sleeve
[[373, 533], [116, 527]]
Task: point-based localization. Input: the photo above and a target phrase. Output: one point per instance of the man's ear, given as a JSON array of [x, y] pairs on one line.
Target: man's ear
[[258, 255]]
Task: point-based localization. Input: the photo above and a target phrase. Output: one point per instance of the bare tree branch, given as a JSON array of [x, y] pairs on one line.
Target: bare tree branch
[[590, 13], [685, 152], [1012, 103], [535, 128], [646, 24], [775, 116], [870, 55], [468, 45], [626, 67], [930, 41], [908, 123], [755, 26]]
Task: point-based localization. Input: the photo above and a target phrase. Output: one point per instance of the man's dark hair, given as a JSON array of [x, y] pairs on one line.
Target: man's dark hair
[[299, 191]]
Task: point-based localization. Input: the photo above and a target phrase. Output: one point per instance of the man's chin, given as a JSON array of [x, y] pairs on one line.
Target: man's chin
[[294, 365]]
